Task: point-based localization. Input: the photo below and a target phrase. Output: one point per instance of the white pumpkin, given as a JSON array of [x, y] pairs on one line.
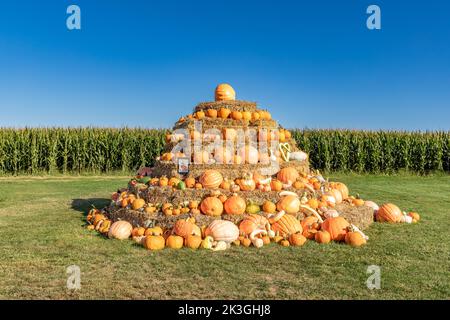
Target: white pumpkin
[[331, 213], [222, 230], [372, 205], [298, 155]]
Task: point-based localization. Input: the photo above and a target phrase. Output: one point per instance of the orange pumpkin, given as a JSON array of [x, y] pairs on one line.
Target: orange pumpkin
[[355, 239], [251, 223], [336, 227], [189, 182], [414, 215], [246, 242], [269, 207], [154, 242], [246, 184], [322, 237], [289, 204], [287, 225], [224, 113], [342, 188], [389, 212], [173, 181], [211, 179], [174, 242], [276, 185], [200, 114], [235, 205], [222, 198], [183, 228], [255, 116], [225, 92], [193, 241], [137, 204], [310, 225], [288, 175], [236, 115], [212, 113], [211, 206], [225, 185], [246, 115], [313, 203], [297, 239]]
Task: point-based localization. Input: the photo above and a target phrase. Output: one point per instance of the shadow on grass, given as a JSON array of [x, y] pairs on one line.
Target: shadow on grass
[[84, 205]]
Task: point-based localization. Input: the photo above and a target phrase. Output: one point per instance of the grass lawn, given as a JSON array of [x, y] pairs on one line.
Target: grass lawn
[[41, 227]]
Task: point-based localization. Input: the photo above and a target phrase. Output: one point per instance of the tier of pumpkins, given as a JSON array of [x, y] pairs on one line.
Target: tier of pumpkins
[[245, 153], [262, 223]]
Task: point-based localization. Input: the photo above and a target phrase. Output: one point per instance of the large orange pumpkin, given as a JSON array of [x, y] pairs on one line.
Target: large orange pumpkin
[[288, 175], [183, 228], [287, 225], [211, 206], [235, 205], [225, 92], [336, 227], [251, 223], [154, 242], [174, 242], [289, 204], [211, 179], [222, 230], [389, 212]]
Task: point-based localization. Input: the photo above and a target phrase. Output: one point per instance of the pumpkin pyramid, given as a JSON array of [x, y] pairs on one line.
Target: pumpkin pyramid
[[228, 149]]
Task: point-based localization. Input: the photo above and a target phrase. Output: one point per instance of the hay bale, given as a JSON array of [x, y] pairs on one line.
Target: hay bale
[[219, 123], [230, 171], [234, 105], [362, 216]]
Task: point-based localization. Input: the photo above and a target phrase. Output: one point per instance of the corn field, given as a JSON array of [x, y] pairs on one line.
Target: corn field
[[376, 151], [77, 150], [103, 150]]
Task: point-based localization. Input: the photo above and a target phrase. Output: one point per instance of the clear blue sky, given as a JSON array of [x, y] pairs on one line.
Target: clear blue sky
[[144, 63]]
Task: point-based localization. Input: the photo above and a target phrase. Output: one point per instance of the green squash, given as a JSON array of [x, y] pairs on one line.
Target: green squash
[[181, 185], [252, 208]]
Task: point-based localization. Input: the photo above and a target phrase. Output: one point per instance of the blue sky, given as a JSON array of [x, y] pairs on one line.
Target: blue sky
[[144, 63]]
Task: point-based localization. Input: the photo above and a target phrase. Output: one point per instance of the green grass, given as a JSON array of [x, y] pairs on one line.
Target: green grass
[[41, 227]]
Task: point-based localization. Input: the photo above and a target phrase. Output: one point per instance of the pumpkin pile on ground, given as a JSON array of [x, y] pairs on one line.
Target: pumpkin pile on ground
[[245, 195]]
